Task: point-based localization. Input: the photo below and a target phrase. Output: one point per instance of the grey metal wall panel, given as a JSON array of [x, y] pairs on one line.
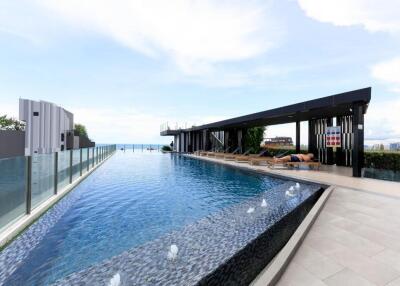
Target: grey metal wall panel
[[12, 143]]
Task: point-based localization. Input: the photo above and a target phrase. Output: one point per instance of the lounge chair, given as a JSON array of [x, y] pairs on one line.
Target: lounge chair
[[265, 160], [245, 159], [260, 160], [203, 153], [227, 154], [232, 157], [313, 165], [212, 154], [222, 154]]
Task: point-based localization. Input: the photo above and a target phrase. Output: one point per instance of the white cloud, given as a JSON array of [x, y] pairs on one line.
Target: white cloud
[[388, 72], [194, 34], [382, 121], [128, 125], [122, 125], [373, 15]]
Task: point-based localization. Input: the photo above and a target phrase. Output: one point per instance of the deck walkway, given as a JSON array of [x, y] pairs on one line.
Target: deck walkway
[[354, 241]]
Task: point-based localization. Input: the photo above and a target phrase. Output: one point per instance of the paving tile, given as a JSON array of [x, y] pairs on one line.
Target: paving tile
[[389, 257], [346, 224], [325, 218], [316, 263], [379, 224], [395, 282], [374, 271], [296, 275], [350, 240], [324, 245], [346, 277], [386, 239]]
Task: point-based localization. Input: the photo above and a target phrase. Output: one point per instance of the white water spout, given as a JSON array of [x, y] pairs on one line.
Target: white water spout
[[289, 193], [250, 210], [291, 189], [297, 186], [116, 280], [264, 203], [173, 252]]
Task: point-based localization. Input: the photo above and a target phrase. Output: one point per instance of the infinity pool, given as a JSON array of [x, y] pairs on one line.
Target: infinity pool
[[132, 199]]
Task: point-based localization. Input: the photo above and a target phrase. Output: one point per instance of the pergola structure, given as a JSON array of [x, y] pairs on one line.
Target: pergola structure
[[348, 108]]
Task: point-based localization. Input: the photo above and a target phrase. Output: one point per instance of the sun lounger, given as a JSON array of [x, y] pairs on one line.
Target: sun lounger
[[247, 158], [260, 160], [222, 154], [226, 154], [312, 165]]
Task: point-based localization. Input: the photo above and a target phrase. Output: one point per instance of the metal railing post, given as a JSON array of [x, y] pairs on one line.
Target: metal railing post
[[93, 157], [70, 165], [55, 172], [88, 162], [80, 161], [97, 155], [28, 184]]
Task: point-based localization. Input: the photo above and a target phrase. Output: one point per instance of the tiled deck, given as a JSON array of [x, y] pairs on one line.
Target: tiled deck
[[355, 240]]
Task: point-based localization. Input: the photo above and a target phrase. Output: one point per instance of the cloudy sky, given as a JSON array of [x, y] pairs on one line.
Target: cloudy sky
[[124, 67]]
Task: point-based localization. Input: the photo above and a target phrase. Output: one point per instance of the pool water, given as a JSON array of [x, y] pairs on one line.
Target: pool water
[[131, 199]]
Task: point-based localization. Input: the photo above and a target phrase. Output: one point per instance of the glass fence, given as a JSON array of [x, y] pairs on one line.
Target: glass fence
[[42, 180], [28, 181], [12, 189]]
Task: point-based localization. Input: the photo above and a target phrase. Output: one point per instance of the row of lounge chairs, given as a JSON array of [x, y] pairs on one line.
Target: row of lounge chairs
[[256, 159]]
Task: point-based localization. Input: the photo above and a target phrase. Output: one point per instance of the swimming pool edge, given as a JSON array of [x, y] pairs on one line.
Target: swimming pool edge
[[15, 228], [261, 171], [271, 274], [274, 270]]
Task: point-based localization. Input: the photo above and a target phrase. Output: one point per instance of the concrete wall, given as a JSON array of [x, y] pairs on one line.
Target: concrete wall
[[12, 143], [46, 123]]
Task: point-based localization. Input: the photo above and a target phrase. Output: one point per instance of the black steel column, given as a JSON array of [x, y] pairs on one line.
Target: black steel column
[[28, 185], [312, 142], [339, 151], [329, 150], [297, 136], [239, 135], [358, 147], [206, 138]]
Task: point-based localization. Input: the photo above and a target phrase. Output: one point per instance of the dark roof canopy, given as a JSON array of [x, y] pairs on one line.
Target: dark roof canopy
[[330, 106]]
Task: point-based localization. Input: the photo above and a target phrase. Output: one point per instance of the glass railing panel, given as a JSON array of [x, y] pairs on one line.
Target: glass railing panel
[[84, 160], [75, 164], [12, 189], [42, 183], [90, 158], [63, 169]]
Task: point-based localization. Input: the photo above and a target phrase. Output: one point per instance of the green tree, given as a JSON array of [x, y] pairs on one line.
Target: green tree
[[166, 148], [80, 129], [9, 123], [253, 138]]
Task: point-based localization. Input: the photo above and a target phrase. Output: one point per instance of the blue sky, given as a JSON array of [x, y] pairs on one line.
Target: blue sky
[[125, 67]]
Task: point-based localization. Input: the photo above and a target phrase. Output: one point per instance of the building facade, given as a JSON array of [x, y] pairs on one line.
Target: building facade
[[394, 146], [46, 127]]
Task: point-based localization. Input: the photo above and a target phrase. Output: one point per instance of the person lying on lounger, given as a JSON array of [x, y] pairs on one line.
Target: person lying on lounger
[[295, 158]]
